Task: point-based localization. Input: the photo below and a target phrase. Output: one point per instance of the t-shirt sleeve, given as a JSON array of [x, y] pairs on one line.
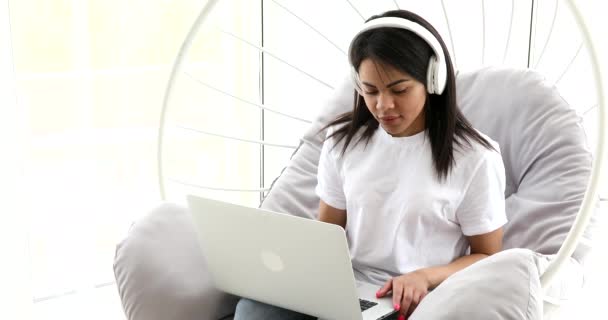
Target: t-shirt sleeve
[[329, 181], [482, 209]]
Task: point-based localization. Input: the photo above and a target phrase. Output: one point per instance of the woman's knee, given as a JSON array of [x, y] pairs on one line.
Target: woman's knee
[[247, 309], [247, 306]]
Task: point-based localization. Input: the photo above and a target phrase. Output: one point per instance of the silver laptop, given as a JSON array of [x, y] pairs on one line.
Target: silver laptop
[[291, 262]]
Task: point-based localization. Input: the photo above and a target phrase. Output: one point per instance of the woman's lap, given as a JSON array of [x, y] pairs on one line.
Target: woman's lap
[[253, 310], [247, 309]]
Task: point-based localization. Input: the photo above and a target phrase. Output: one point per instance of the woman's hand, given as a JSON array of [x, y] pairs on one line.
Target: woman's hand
[[408, 290]]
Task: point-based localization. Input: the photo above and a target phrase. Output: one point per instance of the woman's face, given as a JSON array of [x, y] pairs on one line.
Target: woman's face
[[393, 97]]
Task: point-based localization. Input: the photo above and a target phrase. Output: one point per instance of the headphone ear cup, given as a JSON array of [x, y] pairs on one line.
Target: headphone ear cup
[[431, 76], [441, 77]]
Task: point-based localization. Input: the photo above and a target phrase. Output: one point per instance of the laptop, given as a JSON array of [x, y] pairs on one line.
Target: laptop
[[283, 260]]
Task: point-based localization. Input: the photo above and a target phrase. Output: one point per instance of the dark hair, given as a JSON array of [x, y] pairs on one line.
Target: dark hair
[[404, 50]]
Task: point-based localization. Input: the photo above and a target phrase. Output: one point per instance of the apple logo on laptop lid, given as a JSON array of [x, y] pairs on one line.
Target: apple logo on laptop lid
[[272, 261]]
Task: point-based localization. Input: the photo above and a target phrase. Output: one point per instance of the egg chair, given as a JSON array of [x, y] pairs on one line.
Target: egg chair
[[517, 95]]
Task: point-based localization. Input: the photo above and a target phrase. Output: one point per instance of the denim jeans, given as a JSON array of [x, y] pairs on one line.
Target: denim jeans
[[253, 310]]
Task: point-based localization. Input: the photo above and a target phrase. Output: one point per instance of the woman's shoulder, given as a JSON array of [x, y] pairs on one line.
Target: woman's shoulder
[[470, 154], [336, 138]]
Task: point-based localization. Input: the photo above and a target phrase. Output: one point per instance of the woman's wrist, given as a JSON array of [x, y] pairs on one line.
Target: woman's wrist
[[430, 276], [434, 276]]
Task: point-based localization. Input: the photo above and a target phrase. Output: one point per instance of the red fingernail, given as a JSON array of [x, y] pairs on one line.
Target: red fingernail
[[401, 317], [397, 307], [378, 294]]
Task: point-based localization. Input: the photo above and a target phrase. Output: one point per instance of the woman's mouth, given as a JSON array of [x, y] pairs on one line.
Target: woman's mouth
[[389, 119]]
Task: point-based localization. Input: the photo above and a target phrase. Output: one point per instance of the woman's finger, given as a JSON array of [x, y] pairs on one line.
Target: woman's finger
[[415, 301], [397, 295], [406, 300], [388, 285]]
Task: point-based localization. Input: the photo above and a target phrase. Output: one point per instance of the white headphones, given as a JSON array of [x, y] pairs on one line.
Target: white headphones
[[436, 75]]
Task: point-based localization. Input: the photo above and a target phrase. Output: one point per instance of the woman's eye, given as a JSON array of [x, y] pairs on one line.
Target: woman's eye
[[371, 93], [400, 91]]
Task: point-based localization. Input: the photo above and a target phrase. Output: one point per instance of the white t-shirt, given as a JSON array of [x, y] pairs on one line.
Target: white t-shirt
[[400, 217]]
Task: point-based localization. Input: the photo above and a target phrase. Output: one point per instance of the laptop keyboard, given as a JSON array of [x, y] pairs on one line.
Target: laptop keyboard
[[365, 304]]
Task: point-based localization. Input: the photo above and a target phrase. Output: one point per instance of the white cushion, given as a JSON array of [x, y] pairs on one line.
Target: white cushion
[[161, 273], [543, 146], [505, 286]]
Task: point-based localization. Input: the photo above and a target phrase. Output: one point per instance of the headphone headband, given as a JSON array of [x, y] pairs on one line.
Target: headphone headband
[[437, 69]]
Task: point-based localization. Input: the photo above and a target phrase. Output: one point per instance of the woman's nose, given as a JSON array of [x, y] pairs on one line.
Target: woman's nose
[[385, 101]]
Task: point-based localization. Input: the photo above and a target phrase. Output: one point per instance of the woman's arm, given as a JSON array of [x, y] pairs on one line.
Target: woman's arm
[[482, 246], [409, 289], [330, 214]]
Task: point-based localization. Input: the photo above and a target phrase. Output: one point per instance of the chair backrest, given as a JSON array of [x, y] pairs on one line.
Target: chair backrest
[[543, 145], [544, 149]]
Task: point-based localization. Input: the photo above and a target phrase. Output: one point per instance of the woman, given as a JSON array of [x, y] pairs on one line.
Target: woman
[[404, 172]]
